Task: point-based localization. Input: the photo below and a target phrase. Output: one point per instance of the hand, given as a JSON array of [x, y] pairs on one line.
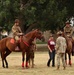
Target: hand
[[21, 34], [51, 51]]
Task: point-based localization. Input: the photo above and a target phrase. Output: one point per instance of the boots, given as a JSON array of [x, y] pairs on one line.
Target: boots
[[17, 47], [58, 67]]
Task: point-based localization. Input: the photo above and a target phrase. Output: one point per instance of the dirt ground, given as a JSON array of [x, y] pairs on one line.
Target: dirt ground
[[40, 68]]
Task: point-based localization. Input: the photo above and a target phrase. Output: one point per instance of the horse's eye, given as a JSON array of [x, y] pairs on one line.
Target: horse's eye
[[39, 33]]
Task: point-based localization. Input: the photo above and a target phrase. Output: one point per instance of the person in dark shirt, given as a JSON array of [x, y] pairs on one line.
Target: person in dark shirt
[[51, 48]]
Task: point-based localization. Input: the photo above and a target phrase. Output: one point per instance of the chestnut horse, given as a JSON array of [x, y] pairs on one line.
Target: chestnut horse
[[8, 44], [69, 48]]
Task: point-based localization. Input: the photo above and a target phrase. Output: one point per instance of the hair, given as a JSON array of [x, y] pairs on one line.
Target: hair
[[17, 20]]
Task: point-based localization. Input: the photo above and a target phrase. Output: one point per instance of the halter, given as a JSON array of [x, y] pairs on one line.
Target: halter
[[26, 43]]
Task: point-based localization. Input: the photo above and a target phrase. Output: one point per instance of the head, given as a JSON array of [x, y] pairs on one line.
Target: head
[[39, 34], [60, 33], [67, 24], [51, 37], [17, 22]]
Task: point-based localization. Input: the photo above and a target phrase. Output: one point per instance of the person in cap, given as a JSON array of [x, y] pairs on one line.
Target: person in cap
[[60, 48], [68, 30], [16, 30], [51, 50]]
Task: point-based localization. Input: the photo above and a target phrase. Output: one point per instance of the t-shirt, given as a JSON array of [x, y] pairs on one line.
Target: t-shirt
[[51, 43]]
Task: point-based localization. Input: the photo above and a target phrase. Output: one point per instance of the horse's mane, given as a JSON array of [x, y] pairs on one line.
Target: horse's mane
[[29, 34]]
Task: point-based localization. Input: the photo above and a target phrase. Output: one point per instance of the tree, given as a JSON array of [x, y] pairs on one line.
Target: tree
[[42, 14]]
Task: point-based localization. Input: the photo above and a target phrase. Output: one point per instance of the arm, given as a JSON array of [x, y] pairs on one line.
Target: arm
[[71, 31], [49, 48], [57, 45], [14, 30]]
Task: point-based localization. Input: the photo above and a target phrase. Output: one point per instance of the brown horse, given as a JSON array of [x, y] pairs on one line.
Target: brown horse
[[69, 48], [8, 44]]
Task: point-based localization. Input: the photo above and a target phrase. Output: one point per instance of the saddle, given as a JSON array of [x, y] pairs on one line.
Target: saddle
[[13, 41]]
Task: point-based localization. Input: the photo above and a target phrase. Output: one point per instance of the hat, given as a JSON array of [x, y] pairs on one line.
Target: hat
[[17, 21], [67, 22], [60, 32]]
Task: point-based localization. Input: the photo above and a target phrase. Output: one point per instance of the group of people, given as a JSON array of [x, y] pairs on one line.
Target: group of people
[[55, 47], [59, 46]]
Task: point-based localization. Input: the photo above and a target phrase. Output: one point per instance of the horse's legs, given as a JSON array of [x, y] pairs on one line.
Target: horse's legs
[[66, 58], [5, 55], [23, 54], [27, 58], [69, 55], [2, 56]]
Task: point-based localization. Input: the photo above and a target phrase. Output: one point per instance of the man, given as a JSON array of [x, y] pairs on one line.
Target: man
[[17, 32], [60, 49], [68, 29]]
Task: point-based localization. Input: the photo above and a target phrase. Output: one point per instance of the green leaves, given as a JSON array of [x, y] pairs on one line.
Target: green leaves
[[49, 14]]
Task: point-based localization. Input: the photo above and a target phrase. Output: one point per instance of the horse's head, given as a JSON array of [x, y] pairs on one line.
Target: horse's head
[[38, 34]]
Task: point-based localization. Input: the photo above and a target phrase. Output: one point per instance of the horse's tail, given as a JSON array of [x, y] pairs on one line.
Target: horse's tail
[[1, 54]]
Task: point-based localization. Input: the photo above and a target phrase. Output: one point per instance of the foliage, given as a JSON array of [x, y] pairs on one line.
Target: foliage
[[46, 14]]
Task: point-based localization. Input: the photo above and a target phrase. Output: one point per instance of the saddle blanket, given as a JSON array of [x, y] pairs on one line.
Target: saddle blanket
[[12, 41]]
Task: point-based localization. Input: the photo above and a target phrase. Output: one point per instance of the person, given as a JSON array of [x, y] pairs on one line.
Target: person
[[32, 50], [68, 30], [51, 48], [60, 48], [16, 30], [31, 55], [4, 34]]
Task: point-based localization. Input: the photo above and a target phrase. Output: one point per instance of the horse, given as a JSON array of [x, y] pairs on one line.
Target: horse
[[69, 48], [8, 44]]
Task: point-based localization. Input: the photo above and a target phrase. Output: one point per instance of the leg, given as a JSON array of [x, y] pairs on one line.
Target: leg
[[27, 58], [53, 59], [48, 63], [58, 61], [66, 58], [6, 54], [69, 55], [32, 62], [2, 56], [63, 60], [23, 53]]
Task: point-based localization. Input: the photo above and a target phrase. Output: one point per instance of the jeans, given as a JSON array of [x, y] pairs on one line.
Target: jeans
[[51, 57]]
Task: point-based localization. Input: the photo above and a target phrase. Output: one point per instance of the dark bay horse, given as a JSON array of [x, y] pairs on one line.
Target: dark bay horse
[[69, 48], [8, 44]]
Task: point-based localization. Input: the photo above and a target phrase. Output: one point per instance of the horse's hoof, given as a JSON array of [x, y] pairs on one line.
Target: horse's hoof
[[3, 66], [22, 65], [6, 66]]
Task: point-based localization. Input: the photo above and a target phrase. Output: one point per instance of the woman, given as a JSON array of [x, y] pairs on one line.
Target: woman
[[51, 47]]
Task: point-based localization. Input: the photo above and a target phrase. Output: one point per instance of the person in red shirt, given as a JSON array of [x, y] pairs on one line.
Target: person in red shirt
[[51, 47]]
